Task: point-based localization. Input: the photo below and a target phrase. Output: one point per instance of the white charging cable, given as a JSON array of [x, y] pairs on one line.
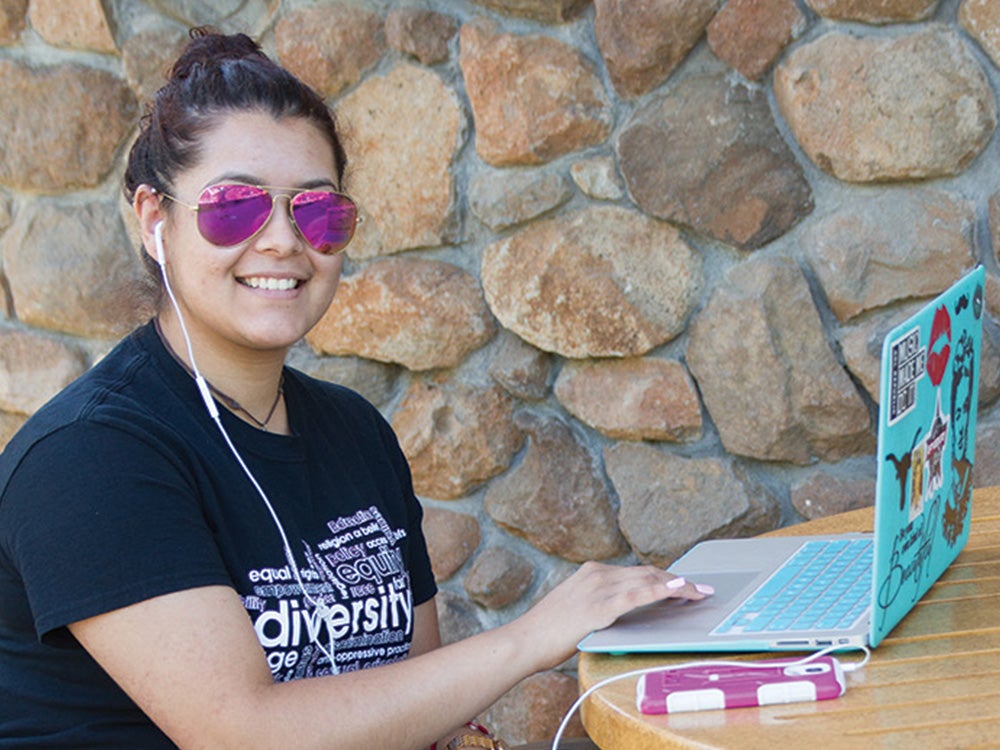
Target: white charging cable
[[692, 665], [322, 610]]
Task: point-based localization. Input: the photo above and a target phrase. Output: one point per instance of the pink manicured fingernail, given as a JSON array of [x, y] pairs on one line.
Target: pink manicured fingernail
[[675, 583], [704, 588]]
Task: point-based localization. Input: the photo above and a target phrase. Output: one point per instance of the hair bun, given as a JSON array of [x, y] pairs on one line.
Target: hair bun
[[210, 48]]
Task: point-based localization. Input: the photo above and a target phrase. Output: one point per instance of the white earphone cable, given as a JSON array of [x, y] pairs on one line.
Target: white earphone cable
[[322, 610]]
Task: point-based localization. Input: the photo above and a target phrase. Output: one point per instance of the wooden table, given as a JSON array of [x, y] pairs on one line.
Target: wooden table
[[933, 683]]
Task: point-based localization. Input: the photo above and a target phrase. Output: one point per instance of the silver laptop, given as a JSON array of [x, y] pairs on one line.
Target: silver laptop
[[802, 593]]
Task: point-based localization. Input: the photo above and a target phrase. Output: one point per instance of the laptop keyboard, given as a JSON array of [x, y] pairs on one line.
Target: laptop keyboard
[[825, 585]]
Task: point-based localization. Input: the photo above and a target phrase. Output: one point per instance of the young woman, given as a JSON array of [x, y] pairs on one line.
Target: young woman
[[201, 547]]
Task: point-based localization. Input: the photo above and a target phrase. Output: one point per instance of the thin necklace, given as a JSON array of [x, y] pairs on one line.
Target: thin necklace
[[231, 403]]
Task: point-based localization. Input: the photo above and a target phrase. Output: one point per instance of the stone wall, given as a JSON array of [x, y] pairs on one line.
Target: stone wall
[[624, 266]]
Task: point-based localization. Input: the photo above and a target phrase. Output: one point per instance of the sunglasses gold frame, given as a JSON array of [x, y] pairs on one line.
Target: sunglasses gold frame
[[289, 193]]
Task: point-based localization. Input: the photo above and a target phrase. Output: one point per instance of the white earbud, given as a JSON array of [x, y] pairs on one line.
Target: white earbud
[[161, 257]]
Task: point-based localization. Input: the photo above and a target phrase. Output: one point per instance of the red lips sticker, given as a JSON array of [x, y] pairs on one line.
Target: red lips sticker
[[940, 345]]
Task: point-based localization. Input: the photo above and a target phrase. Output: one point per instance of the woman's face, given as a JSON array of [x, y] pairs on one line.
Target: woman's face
[[267, 291]]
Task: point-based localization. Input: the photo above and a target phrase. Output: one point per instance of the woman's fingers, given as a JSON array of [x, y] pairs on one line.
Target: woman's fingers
[[680, 586], [610, 591]]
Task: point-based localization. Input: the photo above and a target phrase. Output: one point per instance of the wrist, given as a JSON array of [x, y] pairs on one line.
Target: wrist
[[537, 645]]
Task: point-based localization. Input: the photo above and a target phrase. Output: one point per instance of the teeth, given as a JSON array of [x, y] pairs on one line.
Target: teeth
[[267, 282]]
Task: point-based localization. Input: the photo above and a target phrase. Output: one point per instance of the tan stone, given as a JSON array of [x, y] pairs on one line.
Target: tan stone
[[13, 14], [9, 425], [503, 199], [421, 33], [533, 97], [749, 35], [498, 577], [521, 369], [989, 367], [875, 11], [981, 18], [994, 224], [842, 98], [643, 41], [147, 57], [5, 222], [402, 179], [375, 381], [861, 346], [861, 343], [546, 11], [823, 493], [81, 24], [598, 178], [330, 46], [229, 16], [632, 399], [455, 436], [67, 152], [993, 295], [767, 375], [707, 154], [879, 250], [422, 314], [534, 708], [987, 472], [70, 269], [33, 368], [451, 538], [600, 282], [457, 616], [6, 217], [669, 503], [556, 497]]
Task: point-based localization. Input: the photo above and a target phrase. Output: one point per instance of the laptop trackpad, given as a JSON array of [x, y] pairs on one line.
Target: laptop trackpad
[[706, 613]]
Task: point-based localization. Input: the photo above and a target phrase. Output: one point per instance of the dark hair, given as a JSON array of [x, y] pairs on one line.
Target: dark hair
[[216, 73]]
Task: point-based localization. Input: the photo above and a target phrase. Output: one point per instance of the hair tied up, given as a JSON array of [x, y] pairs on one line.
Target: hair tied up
[[209, 48]]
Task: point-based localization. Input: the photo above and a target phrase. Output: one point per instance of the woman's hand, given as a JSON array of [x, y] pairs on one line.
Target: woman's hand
[[593, 597]]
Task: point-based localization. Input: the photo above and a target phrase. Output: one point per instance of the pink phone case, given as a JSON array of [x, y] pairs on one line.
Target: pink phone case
[[701, 688]]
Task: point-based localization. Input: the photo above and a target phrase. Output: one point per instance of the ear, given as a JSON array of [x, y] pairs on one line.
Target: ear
[[149, 210]]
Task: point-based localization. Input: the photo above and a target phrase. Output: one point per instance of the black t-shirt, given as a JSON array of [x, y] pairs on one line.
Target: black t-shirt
[[122, 488]]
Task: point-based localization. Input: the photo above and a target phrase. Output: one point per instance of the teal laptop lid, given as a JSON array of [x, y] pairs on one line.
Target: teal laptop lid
[[926, 442]]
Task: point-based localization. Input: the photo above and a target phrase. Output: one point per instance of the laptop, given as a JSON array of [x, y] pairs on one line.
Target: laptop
[[861, 585]]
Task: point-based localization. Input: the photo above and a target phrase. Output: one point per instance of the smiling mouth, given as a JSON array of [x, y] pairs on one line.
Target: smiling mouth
[[270, 283]]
